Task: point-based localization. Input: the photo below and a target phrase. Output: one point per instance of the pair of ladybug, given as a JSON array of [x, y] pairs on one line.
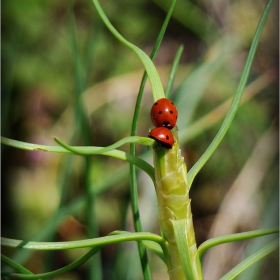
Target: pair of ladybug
[[164, 116]]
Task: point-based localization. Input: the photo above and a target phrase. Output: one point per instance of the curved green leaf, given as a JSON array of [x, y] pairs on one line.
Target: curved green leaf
[[263, 252], [96, 244], [128, 140], [154, 79], [191, 270], [56, 272], [155, 247], [236, 100], [233, 238], [15, 265], [86, 151], [100, 241]]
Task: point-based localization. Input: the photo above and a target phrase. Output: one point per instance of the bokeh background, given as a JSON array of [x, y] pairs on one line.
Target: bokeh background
[[56, 53]]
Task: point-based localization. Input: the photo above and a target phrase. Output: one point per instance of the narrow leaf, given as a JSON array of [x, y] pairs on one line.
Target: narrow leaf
[[154, 79], [260, 254], [190, 269], [83, 151], [236, 100], [100, 241], [174, 68], [233, 238]]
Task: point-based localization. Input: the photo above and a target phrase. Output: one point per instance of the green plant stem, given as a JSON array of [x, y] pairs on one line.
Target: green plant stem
[[82, 128], [86, 151], [174, 205], [193, 18], [133, 179], [127, 140], [83, 151], [96, 244], [100, 241]]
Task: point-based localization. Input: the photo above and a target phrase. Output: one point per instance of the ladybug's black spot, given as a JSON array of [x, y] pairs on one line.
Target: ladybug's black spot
[[166, 123], [167, 137], [171, 112], [159, 112], [172, 103], [156, 104]]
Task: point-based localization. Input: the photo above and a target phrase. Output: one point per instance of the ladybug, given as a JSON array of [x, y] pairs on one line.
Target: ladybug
[[163, 135], [164, 113]]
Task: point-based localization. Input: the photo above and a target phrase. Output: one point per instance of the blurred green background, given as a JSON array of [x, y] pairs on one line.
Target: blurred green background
[[53, 51]]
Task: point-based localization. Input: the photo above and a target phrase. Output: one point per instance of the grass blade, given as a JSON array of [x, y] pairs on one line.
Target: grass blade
[[192, 272], [233, 238], [154, 78], [267, 249], [236, 100], [82, 151], [174, 68]]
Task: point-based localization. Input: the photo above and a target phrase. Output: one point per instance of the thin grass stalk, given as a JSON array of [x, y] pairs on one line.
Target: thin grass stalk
[[173, 71], [236, 100], [82, 130], [133, 179]]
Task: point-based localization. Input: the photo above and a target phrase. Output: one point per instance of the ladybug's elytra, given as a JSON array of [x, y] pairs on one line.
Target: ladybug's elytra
[[163, 135], [164, 113]]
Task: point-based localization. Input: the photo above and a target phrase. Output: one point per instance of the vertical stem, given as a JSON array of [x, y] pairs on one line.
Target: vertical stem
[[133, 179], [173, 204], [82, 130]]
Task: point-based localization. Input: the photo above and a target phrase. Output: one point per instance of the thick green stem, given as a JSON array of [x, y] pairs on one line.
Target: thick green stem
[[173, 203]]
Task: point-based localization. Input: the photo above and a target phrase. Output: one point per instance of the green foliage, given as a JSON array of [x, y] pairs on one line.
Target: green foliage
[[67, 77]]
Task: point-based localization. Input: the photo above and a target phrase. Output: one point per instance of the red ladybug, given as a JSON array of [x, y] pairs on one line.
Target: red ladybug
[[164, 113], [163, 135]]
